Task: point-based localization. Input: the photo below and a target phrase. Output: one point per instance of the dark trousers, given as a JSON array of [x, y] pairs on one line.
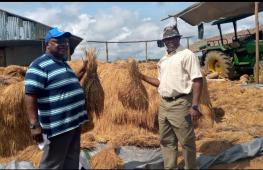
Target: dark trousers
[[63, 151]]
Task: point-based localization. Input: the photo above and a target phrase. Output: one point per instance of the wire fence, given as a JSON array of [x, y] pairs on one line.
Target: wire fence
[[142, 50]]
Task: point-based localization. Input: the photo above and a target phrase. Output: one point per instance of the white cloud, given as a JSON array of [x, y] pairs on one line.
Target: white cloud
[[118, 24], [146, 19], [46, 16]]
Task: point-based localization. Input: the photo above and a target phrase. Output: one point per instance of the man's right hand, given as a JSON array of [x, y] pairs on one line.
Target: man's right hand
[[37, 134]]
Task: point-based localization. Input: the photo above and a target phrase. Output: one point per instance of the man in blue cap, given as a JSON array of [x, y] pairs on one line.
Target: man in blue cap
[[55, 103]]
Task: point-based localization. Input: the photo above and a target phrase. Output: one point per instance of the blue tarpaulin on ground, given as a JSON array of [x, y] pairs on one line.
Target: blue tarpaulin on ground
[[137, 158]]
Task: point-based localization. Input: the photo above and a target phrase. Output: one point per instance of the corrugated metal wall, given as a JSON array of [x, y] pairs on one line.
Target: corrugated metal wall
[[15, 28]]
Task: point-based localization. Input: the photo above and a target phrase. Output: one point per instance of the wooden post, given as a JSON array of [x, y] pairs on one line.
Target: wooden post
[[257, 42], [42, 46], [68, 51], [107, 52], [146, 55], [187, 42]]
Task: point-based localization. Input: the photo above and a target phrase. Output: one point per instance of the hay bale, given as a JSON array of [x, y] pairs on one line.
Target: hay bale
[[92, 86], [133, 93], [107, 159]]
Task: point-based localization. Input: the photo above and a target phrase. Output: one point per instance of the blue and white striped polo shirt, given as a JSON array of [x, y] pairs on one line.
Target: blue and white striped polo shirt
[[61, 100]]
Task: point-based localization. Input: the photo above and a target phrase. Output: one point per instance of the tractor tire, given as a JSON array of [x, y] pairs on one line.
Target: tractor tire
[[260, 72], [220, 63]]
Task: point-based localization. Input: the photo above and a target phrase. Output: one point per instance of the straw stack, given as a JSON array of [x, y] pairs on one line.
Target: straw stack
[[205, 107], [133, 93], [92, 86]]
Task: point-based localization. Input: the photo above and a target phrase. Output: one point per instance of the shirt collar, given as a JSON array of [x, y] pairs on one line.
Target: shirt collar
[[60, 60], [179, 48]]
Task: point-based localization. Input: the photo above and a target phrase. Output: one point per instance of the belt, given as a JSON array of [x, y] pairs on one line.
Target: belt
[[173, 98]]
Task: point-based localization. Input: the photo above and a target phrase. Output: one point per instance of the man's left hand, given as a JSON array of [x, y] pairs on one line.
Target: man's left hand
[[195, 114], [84, 66]]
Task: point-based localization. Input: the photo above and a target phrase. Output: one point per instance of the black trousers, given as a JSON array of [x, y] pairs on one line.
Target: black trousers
[[63, 151]]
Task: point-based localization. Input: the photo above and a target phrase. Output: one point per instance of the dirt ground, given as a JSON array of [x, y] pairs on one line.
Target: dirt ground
[[239, 116]]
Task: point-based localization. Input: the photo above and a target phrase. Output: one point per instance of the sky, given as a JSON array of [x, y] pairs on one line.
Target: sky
[[117, 21]]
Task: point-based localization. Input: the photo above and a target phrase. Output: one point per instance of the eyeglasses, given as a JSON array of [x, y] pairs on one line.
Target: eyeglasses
[[60, 42]]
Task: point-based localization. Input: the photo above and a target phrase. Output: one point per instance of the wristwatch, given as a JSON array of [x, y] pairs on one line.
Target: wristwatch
[[195, 107], [35, 125]]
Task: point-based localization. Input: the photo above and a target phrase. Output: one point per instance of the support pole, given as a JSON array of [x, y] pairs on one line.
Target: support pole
[[42, 46], [146, 55], [221, 36], [107, 52], [69, 56], [187, 42], [257, 42]]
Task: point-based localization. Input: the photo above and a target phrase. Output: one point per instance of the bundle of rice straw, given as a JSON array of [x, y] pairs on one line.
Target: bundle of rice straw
[[205, 107], [14, 131], [92, 86], [107, 159], [133, 93], [15, 71]]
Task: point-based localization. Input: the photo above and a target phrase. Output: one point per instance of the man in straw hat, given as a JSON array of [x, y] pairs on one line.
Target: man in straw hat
[[55, 103], [179, 85]]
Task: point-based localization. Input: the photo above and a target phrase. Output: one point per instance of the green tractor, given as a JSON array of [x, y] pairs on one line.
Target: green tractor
[[232, 59]]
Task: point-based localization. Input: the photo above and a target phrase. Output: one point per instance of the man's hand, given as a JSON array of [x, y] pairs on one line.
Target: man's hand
[[85, 63], [37, 134], [153, 81], [82, 70], [195, 114]]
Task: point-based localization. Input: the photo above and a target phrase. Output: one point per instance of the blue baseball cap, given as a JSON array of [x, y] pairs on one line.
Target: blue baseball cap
[[55, 33]]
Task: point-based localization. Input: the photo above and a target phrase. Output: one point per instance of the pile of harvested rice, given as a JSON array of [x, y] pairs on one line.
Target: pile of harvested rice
[[107, 159]]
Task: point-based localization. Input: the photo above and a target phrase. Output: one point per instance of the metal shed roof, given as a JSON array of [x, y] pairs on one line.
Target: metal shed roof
[[15, 27]]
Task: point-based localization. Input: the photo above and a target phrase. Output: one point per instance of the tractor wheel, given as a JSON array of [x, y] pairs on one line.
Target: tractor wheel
[[260, 71], [219, 62]]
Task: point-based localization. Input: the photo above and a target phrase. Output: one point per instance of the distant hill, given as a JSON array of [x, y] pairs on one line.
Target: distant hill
[[195, 46]]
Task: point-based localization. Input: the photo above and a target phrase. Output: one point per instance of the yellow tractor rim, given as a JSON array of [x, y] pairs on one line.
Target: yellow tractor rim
[[214, 66]]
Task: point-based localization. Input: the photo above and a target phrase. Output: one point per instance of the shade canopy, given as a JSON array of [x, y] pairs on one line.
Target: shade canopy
[[209, 11]]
